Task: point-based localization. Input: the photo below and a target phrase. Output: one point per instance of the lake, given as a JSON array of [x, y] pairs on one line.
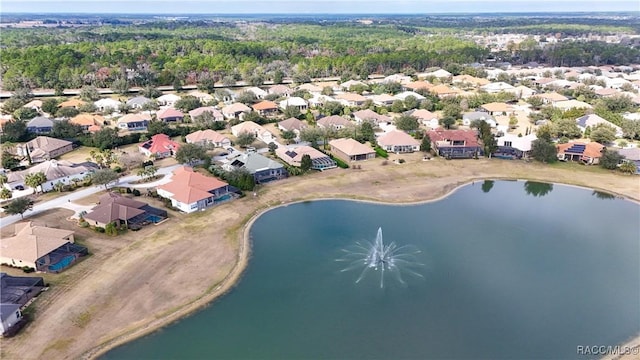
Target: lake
[[505, 270]]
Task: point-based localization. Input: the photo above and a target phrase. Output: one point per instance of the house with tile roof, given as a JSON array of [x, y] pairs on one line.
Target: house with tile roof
[[74, 103], [418, 85], [335, 122], [293, 155], [587, 153], [631, 155], [260, 132], [383, 99], [160, 146], [64, 172], [190, 191], [350, 99], [297, 102], [280, 90], [134, 122], [261, 167], [591, 120], [34, 104], [235, 111], [370, 115], [168, 100], [496, 108], [552, 97], [119, 210], [259, 93], [571, 104], [208, 138], [43, 148], [85, 121], [202, 96], [40, 125], [398, 142], [514, 146], [107, 104], [216, 115], [292, 124], [265, 108], [138, 102], [349, 150], [455, 144], [170, 115], [426, 117], [40, 248]]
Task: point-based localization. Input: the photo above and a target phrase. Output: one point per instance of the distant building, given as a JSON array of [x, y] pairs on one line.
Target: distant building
[[350, 150], [262, 168], [160, 146], [398, 142], [44, 148], [455, 144], [293, 155]]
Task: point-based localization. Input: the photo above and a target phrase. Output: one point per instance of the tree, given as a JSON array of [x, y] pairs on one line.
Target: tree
[[245, 139], [567, 128], [489, 143], [188, 103], [104, 158], [104, 177], [9, 161], [332, 108], [19, 206], [150, 92], [397, 106], [448, 121], [628, 167], [366, 132], [407, 123], [603, 134], [14, 131], [288, 136], [543, 150], [535, 102], [3, 179], [65, 130], [24, 113], [411, 102], [120, 86], [537, 189], [191, 154], [630, 128], [147, 172], [452, 111], [425, 144], [610, 159], [291, 111], [5, 193], [67, 112], [89, 93], [246, 97], [50, 106], [106, 138], [306, 163], [157, 127], [34, 180], [130, 160], [311, 135], [272, 147]]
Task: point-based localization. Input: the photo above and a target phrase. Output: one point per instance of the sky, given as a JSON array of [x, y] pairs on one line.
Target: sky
[[312, 6]]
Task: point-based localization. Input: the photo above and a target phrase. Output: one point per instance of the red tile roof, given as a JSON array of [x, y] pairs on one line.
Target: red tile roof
[[160, 143], [469, 137], [188, 186]]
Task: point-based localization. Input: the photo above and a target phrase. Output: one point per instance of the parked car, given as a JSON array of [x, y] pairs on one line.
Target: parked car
[[19, 187]]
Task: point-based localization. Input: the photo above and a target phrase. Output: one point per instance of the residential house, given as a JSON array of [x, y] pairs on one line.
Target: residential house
[[383, 99], [297, 102], [551, 98], [398, 78], [87, 122], [74, 103], [63, 172], [202, 96], [280, 90], [235, 111], [262, 168], [334, 121], [470, 80], [443, 90], [19, 290], [265, 108], [260, 132], [455, 144], [10, 318], [418, 85], [170, 115], [591, 120], [116, 209], [134, 122], [216, 115], [370, 115], [107, 104], [311, 88], [225, 95], [168, 100], [398, 142], [351, 99], [293, 155], [426, 117], [208, 138], [571, 104], [606, 92], [43, 148], [259, 93], [34, 104], [160, 146], [496, 87], [40, 248], [523, 92], [588, 153], [292, 124], [348, 150], [632, 155], [349, 83], [470, 117], [440, 74], [514, 146], [138, 102], [190, 191], [40, 125], [403, 95], [496, 108]]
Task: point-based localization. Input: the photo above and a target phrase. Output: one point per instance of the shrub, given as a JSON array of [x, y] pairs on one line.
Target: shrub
[[117, 169], [99, 229], [28, 269], [381, 152], [84, 224], [401, 161], [111, 229], [136, 192], [128, 190]]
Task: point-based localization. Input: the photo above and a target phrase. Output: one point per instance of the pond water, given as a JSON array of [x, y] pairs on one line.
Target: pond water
[[505, 270]]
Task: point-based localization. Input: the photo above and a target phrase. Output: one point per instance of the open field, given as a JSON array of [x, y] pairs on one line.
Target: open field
[[135, 283]]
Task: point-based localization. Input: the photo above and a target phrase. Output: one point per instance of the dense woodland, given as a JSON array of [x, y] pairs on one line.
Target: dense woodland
[[204, 52]]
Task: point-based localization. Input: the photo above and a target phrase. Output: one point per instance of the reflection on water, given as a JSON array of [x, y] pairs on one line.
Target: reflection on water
[[603, 195], [537, 189], [487, 185]]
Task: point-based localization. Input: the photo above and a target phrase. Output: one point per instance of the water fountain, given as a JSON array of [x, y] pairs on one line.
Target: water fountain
[[376, 256]]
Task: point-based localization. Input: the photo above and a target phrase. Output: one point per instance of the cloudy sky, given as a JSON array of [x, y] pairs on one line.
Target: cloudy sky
[[313, 6]]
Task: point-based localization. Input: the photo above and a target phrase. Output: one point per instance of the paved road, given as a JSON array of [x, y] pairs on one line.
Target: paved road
[[64, 200]]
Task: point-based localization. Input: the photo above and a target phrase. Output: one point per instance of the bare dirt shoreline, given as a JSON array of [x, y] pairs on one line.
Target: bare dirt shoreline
[[156, 280]]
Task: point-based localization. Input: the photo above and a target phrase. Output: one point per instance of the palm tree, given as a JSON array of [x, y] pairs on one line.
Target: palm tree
[[34, 180]]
